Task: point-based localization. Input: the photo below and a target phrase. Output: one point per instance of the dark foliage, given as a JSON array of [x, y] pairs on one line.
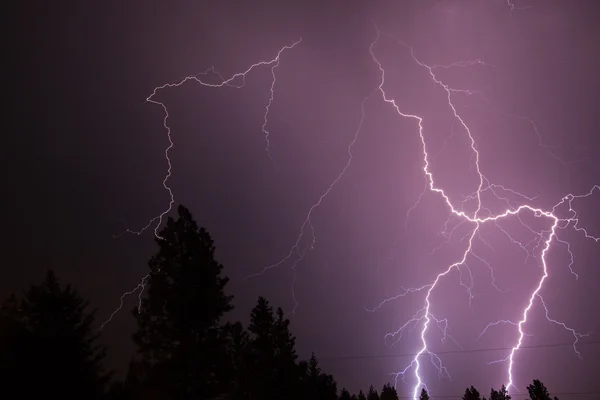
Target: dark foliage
[[388, 393], [47, 347], [269, 356], [471, 394], [372, 394], [317, 384], [537, 391], [180, 342], [184, 350], [345, 395], [501, 394]]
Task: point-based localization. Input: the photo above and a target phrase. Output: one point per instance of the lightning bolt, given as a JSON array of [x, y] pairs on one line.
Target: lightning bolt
[[512, 7], [230, 82], [237, 80], [461, 213], [545, 238], [298, 250]]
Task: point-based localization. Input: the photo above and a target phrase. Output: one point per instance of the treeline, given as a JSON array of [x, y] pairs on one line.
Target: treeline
[[49, 345]]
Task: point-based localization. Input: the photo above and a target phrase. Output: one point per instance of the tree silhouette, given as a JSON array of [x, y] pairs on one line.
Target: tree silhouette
[[361, 395], [318, 385], [501, 394], [14, 341], [471, 394], [372, 394], [538, 391], [47, 345], [424, 395], [238, 353], [388, 393], [273, 372], [179, 338], [345, 395]]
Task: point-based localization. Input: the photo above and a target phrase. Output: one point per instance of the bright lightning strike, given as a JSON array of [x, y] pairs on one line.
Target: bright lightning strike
[[517, 204], [425, 315], [230, 82]]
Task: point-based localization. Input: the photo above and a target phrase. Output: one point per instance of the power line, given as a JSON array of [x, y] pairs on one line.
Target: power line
[[514, 396], [461, 351]]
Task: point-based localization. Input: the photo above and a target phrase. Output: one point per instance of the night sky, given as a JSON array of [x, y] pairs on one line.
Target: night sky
[[84, 159]]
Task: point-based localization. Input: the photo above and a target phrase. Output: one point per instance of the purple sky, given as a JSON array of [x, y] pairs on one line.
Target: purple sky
[[84, 158]]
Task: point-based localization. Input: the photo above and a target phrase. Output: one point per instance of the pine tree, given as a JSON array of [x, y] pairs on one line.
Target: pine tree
[[238, 347], [372, 394], [501, 394], [424, 395], [318, 385], [49, 348], [538, 391], [471, 394], [388, 393], [345, 395], [273, 372], [179, 338]]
